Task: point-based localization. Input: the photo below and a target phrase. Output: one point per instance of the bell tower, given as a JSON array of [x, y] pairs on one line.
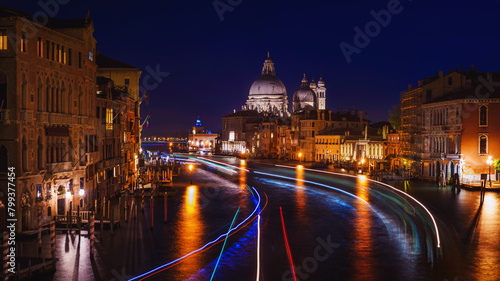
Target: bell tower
[[321, 94]]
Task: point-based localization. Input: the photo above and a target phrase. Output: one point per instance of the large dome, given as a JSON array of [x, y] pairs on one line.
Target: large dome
[[268, 85]]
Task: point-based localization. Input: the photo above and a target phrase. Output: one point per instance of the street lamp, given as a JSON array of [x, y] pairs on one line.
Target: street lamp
[[300, 156], [489, 161], [191, 172]]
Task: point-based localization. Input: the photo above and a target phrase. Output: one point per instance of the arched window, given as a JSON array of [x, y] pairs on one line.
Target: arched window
[[47, 96], [3, 90], [483, 116], [81, 101], [483, 144], [70, 151], [64, 102], [40, 154], [4, 161], [39, 97], [70, 101], [24, 157], [24, 92]]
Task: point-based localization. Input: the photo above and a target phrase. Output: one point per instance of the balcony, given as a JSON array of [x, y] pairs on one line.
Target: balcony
[[54, 168], [4, 116], [27, 116], [42, 117]]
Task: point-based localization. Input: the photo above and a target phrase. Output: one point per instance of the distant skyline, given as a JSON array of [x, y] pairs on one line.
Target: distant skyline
[[212, 63]]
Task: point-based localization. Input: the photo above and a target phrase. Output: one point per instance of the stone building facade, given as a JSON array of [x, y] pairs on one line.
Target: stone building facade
[[47, 117]]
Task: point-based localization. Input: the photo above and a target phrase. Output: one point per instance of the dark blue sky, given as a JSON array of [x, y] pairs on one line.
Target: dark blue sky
[[212, 63]]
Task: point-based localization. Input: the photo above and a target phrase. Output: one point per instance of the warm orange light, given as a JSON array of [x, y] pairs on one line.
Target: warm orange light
[[363, 161], [242, 162], [171, 144], [190, 167], [362, 178], [300, 155], [300, 167]]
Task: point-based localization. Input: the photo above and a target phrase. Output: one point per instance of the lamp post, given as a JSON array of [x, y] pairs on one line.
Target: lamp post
[[489, 161], [191, 172]]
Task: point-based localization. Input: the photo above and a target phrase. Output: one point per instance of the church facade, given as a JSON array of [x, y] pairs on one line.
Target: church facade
[[268, 101]]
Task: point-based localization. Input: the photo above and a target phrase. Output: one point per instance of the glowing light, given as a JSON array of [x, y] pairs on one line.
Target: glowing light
[[242, 162], [68, 194], [363, 161], [206, 246], [300, 155], [362, 178], [190, 167], [300, 167], [287, 246], [140, 150], [81, 192], [191, 194], [225, 240], [386, 185], [489, 161], [258, 248], [170, 144]]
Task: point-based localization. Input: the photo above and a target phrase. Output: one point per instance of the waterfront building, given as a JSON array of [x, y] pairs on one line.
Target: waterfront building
[[461, 131], [200, 140], [48, 124]]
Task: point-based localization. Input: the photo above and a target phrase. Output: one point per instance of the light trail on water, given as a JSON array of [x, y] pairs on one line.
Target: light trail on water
[[386, 185], [207, 245]]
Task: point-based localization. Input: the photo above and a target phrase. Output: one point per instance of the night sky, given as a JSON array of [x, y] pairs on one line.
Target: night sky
[[212, 63]]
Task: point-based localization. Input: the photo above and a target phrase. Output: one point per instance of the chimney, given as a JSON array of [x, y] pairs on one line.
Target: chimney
[[360, 116], [410, 87], [366, 115]]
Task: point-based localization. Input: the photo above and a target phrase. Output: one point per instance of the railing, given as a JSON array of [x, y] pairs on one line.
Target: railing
[[83, 214], [4, 116], [27, 116], [59, 167]]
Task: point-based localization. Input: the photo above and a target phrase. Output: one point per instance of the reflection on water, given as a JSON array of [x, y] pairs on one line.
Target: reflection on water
[[300, 194], [364, 267], [191, 228], [487, 261]]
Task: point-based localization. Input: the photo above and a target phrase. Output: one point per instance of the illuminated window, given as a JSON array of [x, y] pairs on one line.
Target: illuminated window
[[91, 56], [39, 196], [231, 136], [109, 119], [24, 43], [39, 47], [3, 40], [63, 51], [483, 145]]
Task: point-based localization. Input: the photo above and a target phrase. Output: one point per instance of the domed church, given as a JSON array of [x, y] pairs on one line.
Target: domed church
[[309, 96], [268, 94]]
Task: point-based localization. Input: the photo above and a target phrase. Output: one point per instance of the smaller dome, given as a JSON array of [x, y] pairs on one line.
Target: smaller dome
[[304, 97]]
